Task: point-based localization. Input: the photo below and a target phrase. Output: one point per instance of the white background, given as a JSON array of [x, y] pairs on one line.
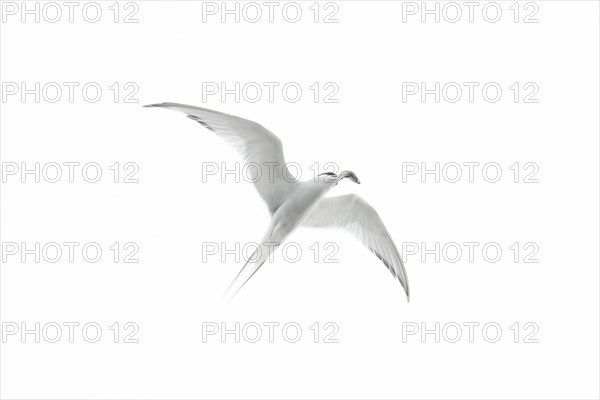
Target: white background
[[171, 292]]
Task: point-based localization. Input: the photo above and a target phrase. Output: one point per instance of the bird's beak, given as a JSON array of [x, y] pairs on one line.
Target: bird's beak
[[350, 175]]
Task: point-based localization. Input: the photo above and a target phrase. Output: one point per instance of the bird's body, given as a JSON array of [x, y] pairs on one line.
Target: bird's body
[[296, 208], [288, 216], [292, 203]]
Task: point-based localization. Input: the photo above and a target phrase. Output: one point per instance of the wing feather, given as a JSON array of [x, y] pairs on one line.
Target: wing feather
[[355, 215], [256, 144]]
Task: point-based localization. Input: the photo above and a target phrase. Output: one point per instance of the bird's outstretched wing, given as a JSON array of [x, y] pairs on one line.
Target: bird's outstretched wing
[[257, 145], [352, 213]]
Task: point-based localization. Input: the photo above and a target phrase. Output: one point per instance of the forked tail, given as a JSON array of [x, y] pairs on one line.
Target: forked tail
[[258, 258]]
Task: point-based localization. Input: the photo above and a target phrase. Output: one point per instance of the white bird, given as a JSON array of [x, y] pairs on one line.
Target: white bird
[[293, 203]]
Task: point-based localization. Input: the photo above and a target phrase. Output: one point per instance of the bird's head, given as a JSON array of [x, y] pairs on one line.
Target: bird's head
[[333, 179]]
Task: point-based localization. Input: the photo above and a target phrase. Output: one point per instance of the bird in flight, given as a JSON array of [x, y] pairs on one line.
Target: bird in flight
[[294, 203]]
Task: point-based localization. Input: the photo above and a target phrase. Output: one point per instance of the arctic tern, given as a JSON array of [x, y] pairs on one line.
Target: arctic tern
[[293, 203]]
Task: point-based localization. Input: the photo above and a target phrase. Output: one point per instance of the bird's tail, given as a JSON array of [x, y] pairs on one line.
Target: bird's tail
[[258, 258]]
